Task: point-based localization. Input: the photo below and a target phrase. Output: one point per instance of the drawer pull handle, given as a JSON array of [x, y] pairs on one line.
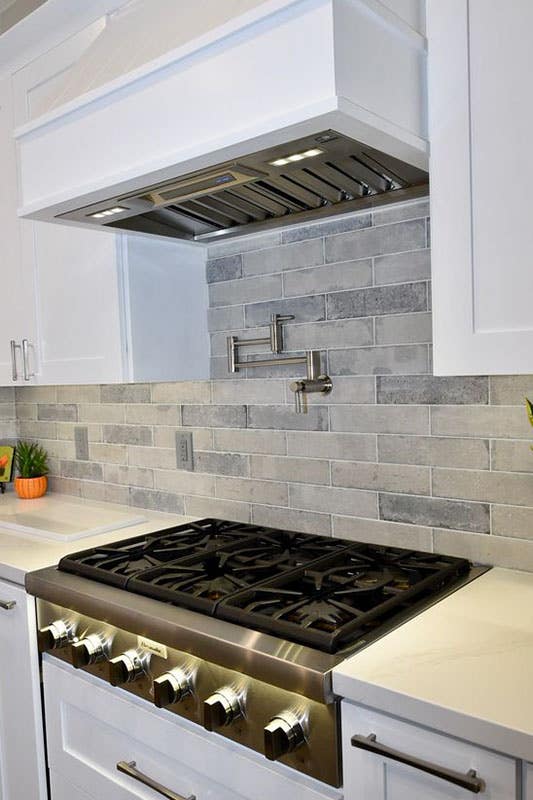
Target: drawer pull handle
[[130, 768], [8, 605], [468, 781]]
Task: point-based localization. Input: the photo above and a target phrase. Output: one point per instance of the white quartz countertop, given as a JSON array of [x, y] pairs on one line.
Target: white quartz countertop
[[65, 517], [463, 666]]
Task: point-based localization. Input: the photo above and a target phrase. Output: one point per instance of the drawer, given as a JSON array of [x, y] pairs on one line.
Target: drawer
[[372, 775], [92, 727]]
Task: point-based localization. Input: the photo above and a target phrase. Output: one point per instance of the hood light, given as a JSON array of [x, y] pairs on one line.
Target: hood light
[[109, 212], [282, 162]]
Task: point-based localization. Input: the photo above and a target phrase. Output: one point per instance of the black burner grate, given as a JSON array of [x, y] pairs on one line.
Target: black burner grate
[[320, 591]]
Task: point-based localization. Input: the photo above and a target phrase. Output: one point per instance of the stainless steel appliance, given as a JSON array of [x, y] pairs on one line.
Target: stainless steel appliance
[[236, 627], [316, 176]]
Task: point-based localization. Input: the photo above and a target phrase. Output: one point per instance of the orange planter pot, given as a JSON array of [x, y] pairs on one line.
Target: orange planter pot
[[30, 488]]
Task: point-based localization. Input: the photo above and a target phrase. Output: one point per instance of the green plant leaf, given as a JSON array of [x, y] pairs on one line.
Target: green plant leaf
[[31, 460], [529, 408]]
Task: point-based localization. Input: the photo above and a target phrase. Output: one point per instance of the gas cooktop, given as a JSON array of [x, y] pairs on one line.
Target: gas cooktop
[[318, 591]]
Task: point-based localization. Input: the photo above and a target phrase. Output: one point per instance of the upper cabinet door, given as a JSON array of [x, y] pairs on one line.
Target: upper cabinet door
[[480, 119]]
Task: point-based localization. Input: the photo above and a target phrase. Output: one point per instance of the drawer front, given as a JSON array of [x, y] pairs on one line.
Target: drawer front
[[372, 775], [91, 728]]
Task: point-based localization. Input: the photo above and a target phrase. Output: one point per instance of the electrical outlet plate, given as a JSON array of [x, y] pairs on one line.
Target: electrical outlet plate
[[184, 452]]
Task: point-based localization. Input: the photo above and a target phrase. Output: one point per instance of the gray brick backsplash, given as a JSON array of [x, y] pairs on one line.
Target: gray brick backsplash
[[284, 418], [304, 309], [288, 256], [381, 477], [403, 328], [224, 269], [233, 416], [434, 451], [331, 278], [405, 359], [296, 470], [128, 434], [402, 267], [431, 511], [378, 300], [336, 225], [248, 290], [393, 455], [432, 390], [377, 241]]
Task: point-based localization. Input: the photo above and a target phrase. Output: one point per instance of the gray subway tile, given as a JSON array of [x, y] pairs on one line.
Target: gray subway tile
[[224, 269], [325, 335], [7, 394], [197, 506], [434, 451], [221, 463], [402, 267], [346, 446], [380, 419], [516, 521], [225, 319], [53, 412], [382, 532], [377, 241], [128, 434], [405, 359], [182, 392], [428, 389], [272, 493], [284, 418], [404, 328], [245, 290], [346, 390], [305, 521], [378, 300], [82, 470], [153, 414], [78, 394], [155, 500], [152, 457], [244, 244], [288, 256], [250, 441], [106, 412], [126, 393], [434, 512], [396, 212], [36, 394], [296, 470], [129, 476], [492, 550], [248, 391], [510, 390], [331, 278], [499, 422], [186, 483], [510, 456], [381, 477], [492, 487], [36, 429], [81, 441], [108, 453], [332, 500], [340, 224], [232, 416], [304, 309]]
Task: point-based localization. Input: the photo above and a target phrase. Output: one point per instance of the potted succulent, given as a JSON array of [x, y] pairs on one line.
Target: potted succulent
[[31, 461]]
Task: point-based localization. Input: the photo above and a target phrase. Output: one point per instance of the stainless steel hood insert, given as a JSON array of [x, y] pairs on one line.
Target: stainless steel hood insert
[[315, 176]]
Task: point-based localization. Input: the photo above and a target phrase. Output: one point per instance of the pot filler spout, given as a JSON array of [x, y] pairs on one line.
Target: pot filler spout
[[320, 175]]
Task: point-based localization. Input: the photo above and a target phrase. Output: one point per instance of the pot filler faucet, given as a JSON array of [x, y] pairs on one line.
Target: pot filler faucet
[[314, 382]]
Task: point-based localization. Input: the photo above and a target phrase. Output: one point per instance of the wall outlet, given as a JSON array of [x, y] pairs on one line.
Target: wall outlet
[[184, 452]]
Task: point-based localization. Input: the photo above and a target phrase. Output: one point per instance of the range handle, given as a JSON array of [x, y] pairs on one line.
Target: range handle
[[130, 768], [468, 781]]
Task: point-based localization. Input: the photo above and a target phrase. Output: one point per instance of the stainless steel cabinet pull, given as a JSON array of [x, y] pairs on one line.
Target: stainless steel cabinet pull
[[7, 605], [26, 360], [14, 347], [468, 781], [130, 768]]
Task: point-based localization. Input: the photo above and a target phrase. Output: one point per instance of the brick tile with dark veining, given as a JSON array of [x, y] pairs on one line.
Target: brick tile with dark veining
[[434, 512], [126, 393], [224, 269], [329, 228], [394, 238], [429, 389], [374, 301], [231, 416], [60, 413]]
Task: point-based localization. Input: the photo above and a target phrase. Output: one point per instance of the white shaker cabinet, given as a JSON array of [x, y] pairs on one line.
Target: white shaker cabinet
[[481, 171], [375, 776], [22, 767]]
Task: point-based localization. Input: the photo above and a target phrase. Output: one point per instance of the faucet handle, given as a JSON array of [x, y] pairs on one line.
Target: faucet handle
[[298, 387]]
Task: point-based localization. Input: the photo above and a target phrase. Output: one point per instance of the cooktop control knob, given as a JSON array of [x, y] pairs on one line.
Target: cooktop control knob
[[88, 651], [221, 709], [127, 667], [171, 687], [58, 634], [283, 734]]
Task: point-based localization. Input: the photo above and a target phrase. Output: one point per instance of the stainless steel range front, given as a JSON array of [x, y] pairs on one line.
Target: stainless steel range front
[[236, 627]]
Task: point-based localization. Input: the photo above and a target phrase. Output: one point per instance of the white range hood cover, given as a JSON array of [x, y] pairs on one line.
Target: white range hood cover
[[142, 31]]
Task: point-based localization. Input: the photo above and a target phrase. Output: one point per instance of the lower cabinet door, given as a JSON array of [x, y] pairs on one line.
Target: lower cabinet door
[[109, 745], [22, 765], [373, 775], [528, 781]]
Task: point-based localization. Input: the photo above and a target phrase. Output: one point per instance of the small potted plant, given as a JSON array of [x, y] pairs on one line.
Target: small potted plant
[[31, 461]]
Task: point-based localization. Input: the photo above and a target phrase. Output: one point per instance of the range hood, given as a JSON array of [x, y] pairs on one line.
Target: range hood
[[300, 181], [286, 112]]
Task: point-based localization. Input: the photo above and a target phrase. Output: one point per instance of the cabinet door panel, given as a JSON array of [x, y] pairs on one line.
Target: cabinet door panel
[[528, 781], [22, 770], [481, 171]]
